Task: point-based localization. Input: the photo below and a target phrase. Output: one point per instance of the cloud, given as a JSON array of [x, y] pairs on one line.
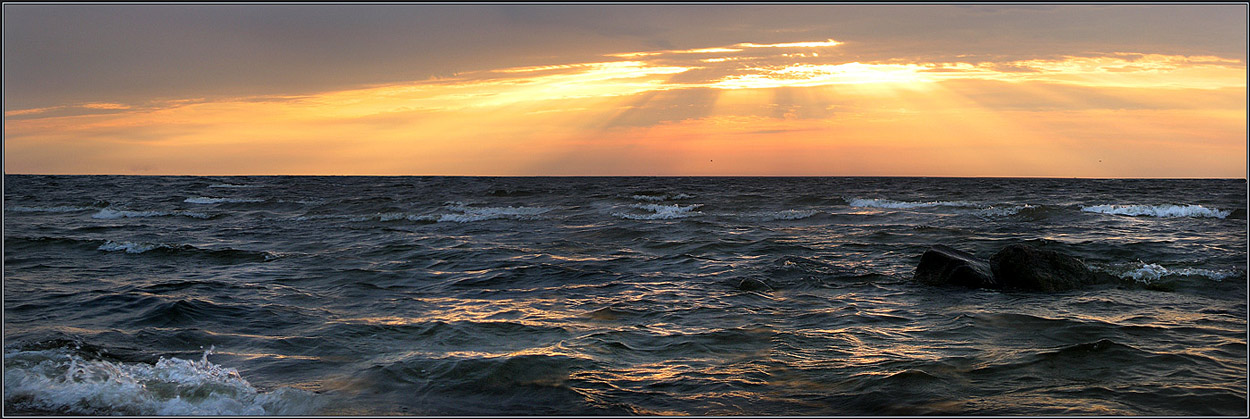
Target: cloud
[[780, 104]]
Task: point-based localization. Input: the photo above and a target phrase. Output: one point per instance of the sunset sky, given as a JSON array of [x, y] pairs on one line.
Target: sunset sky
[[836, 90]]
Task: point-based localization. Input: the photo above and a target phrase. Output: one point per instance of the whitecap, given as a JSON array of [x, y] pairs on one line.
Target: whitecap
[[59, 381], [994, 211], [791, 214], [1168, 211], [469, 214], [1150, 272], [657, 198], [129, 247], [661, 212], [112, 214]]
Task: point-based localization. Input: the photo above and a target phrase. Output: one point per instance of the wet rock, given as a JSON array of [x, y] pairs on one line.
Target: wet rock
[[752, 284], [1023, 267], [942, 265]]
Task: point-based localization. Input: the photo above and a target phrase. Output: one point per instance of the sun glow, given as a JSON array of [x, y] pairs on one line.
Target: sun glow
[[746, 108]]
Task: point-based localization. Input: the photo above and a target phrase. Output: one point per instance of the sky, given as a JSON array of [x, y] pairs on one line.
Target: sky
[[1049, 90]]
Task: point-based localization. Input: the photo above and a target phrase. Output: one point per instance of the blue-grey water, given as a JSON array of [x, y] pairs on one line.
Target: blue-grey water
[[614, 296]]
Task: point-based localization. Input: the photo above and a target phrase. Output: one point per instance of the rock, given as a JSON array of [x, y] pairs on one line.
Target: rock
[[1024, 267], [942, 265], [752, 284]]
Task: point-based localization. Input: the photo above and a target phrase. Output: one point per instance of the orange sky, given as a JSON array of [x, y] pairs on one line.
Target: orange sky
[[805, 106]]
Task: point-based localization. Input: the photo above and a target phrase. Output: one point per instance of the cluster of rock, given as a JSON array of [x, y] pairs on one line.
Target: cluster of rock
[[1016, 266]]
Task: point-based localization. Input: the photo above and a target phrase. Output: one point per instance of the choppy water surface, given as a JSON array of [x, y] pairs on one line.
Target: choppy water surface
[[489, 296]]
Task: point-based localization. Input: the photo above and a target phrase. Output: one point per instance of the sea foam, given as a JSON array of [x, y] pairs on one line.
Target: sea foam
[[1158, 210], [129, 247], [658, 198], [469, 214], [790, 214], [994, 211], [1149, 272], [661, 212], [111, 214], [56, 380]]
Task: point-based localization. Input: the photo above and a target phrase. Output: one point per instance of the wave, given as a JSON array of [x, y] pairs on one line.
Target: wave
[[231, 185], [129, 247], [384, 217], [790, 214], [48, 209], [210, 200], [1150, 272], [993, 211], [469, 214], [1168, 211], [886, 203], [63, 382], [186, 249], [661, 212], [661, 197], [111, 214]]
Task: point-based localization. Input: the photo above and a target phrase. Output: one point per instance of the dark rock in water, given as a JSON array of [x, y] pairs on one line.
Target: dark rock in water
[[1238, 214], [1024, 267], [752, 284], [945, 265]]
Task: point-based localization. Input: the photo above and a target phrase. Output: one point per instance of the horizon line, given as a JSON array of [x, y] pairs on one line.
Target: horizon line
[[633, 176]]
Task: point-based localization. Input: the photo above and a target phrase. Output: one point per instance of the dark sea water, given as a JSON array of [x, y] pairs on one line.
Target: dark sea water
[[614, 296]]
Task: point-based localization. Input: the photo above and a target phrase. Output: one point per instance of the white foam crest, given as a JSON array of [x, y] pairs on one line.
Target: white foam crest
[[48, 209], [211, 200], [1167, 211], [886, 203], [993, 211], [661, 212], [791, 214], [111, 214], [658, 198], [1149, 272], [129, 247], [469, 214], [231, 185], [55, 380]]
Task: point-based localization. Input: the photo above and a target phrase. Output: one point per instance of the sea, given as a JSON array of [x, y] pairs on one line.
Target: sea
[[515, 296]]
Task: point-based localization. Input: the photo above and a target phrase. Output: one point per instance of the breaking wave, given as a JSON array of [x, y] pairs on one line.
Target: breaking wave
[[994, 211], [790, 214], [112, 214], [468, 214], [186, 249], [1150, 272], [62, 382], [1158, 210], [661, 212], [661, 197]]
